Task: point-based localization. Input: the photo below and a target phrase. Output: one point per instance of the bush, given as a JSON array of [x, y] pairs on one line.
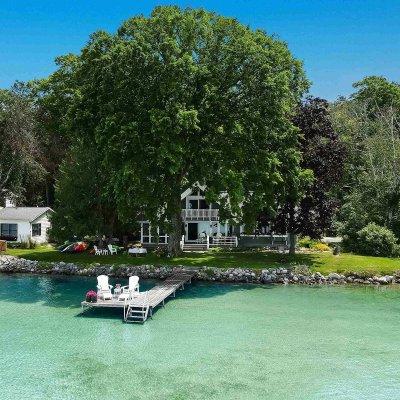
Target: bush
[[161, 251], [336, 250], [306, 242], [319, 246], [375, 240], [28, 244], [300, 269], [14, 245]]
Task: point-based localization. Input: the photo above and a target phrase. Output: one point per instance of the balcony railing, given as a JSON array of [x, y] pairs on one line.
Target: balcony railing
[[200, 214]]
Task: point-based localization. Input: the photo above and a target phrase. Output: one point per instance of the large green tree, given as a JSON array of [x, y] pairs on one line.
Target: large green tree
[[369, 124], [83, 206], [19, 149], [377, 93], [186, 97], [323, 153]]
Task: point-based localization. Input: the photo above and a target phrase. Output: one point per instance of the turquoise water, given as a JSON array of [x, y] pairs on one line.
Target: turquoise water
[[211, 342]]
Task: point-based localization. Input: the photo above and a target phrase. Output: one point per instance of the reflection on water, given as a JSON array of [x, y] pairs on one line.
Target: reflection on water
[[213, 341]]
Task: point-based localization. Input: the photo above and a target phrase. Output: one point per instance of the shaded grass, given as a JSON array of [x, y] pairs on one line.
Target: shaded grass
[[323, 262]]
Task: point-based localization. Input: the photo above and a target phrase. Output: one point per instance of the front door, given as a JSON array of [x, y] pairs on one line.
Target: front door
[[192, 231]]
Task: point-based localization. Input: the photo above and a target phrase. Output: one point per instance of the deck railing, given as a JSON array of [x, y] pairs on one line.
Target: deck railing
[[200, 214], [224, 241]]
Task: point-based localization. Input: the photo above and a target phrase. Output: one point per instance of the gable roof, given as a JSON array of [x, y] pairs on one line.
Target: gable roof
[[190, 190], [23, 213]]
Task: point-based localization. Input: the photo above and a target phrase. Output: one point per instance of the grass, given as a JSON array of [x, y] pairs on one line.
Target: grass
[[322, 262]]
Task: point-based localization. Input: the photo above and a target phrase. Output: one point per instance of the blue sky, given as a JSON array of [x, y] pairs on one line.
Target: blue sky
[[339, 42]]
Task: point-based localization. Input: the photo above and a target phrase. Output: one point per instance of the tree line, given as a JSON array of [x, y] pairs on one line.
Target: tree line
[[118, 131]]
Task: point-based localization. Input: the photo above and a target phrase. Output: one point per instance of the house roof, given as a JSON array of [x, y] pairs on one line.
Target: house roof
[[189, 190], [22, 213]]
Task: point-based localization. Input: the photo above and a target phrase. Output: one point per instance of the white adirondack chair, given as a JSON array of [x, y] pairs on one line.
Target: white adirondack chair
[[111, 249], [103, 288], [97, 251], [130, 290]]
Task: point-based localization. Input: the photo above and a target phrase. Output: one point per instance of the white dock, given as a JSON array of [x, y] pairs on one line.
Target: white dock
[[139, 308]]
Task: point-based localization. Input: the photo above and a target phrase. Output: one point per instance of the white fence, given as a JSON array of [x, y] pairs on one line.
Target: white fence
[[200, 214], [224, 241]]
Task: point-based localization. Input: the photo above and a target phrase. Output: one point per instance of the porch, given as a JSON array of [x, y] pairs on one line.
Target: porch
[[203, 234]]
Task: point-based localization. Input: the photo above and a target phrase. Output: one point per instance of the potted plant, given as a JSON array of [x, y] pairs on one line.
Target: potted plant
[[91, 296]]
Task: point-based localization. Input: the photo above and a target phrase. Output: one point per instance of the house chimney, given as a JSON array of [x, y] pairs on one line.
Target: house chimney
[[10, 203]]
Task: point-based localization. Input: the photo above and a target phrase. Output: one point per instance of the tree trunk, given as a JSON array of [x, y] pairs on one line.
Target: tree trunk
[[292, 243], [292, 230], [175, 234]]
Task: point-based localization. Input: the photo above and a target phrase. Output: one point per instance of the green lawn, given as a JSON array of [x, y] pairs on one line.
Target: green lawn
[[323, 262]]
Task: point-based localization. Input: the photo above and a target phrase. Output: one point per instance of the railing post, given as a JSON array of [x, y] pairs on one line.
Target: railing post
[[208, 241], [182, 241], [236, 241]]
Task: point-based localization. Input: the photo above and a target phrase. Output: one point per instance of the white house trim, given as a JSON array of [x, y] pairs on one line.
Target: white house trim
[[200, 221]]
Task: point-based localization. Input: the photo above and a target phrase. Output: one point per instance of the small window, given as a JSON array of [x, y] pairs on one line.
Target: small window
[[146, 229], [36, 229], [203, 204], [9, 231], [194, 204]]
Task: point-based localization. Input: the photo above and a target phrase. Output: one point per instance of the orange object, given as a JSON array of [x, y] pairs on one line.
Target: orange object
[[3, 245]]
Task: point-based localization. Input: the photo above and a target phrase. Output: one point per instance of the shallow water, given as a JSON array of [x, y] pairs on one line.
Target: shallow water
[[211, 342]]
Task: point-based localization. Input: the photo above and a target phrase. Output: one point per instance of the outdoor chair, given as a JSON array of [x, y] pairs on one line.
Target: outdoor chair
[[130, 290], [111, 249], [97, 251], [103, 288]]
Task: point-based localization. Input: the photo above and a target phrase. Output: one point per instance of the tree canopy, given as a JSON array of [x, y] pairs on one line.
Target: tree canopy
[[186, 97], [369, 124], [323, 153], [19, 150]]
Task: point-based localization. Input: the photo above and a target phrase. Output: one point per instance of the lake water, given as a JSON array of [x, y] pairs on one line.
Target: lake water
[[211, 342]]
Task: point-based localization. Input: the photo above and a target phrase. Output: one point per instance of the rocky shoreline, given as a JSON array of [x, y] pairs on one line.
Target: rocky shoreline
[[296, 275]]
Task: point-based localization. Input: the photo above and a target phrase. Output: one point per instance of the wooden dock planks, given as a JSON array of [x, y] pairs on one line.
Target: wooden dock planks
[[150, 299]]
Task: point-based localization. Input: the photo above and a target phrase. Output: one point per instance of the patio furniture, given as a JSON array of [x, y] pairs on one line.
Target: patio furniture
[[130, 290], [104, 288], [137, 251], [100, 252], [117, 290], [111, 249], [97, 251]]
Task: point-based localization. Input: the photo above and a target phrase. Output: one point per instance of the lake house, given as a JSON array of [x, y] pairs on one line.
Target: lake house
[[24, 223], [202, 227]]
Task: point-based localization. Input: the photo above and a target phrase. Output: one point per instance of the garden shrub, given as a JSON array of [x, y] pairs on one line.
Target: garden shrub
[[301, 269], [28, 244], [375, 240], [336, 250], [320, 246], [306, 242]]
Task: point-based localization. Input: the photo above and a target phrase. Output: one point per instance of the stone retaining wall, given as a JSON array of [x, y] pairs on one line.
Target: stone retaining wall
[[10, 264]]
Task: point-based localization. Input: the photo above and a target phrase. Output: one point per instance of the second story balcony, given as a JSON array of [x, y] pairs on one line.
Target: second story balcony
[[206, 214]]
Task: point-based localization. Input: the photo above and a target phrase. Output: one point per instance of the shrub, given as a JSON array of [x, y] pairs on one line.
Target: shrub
[[336, 250], [306, 242], [14, 245], [161, 251], [319, 246], [28, 244], [300, 269], [376, 240]]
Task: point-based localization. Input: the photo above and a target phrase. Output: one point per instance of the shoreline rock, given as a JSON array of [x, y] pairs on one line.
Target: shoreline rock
[[285, 276]]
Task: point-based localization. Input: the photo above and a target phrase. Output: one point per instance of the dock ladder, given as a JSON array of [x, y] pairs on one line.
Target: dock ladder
[[137, 310]]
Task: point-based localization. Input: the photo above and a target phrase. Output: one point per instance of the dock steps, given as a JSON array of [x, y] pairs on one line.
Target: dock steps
[[194, 247], [140, 307]]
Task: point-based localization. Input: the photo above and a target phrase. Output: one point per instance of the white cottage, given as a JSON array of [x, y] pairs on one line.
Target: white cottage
[[201, 224], [23, 223]]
